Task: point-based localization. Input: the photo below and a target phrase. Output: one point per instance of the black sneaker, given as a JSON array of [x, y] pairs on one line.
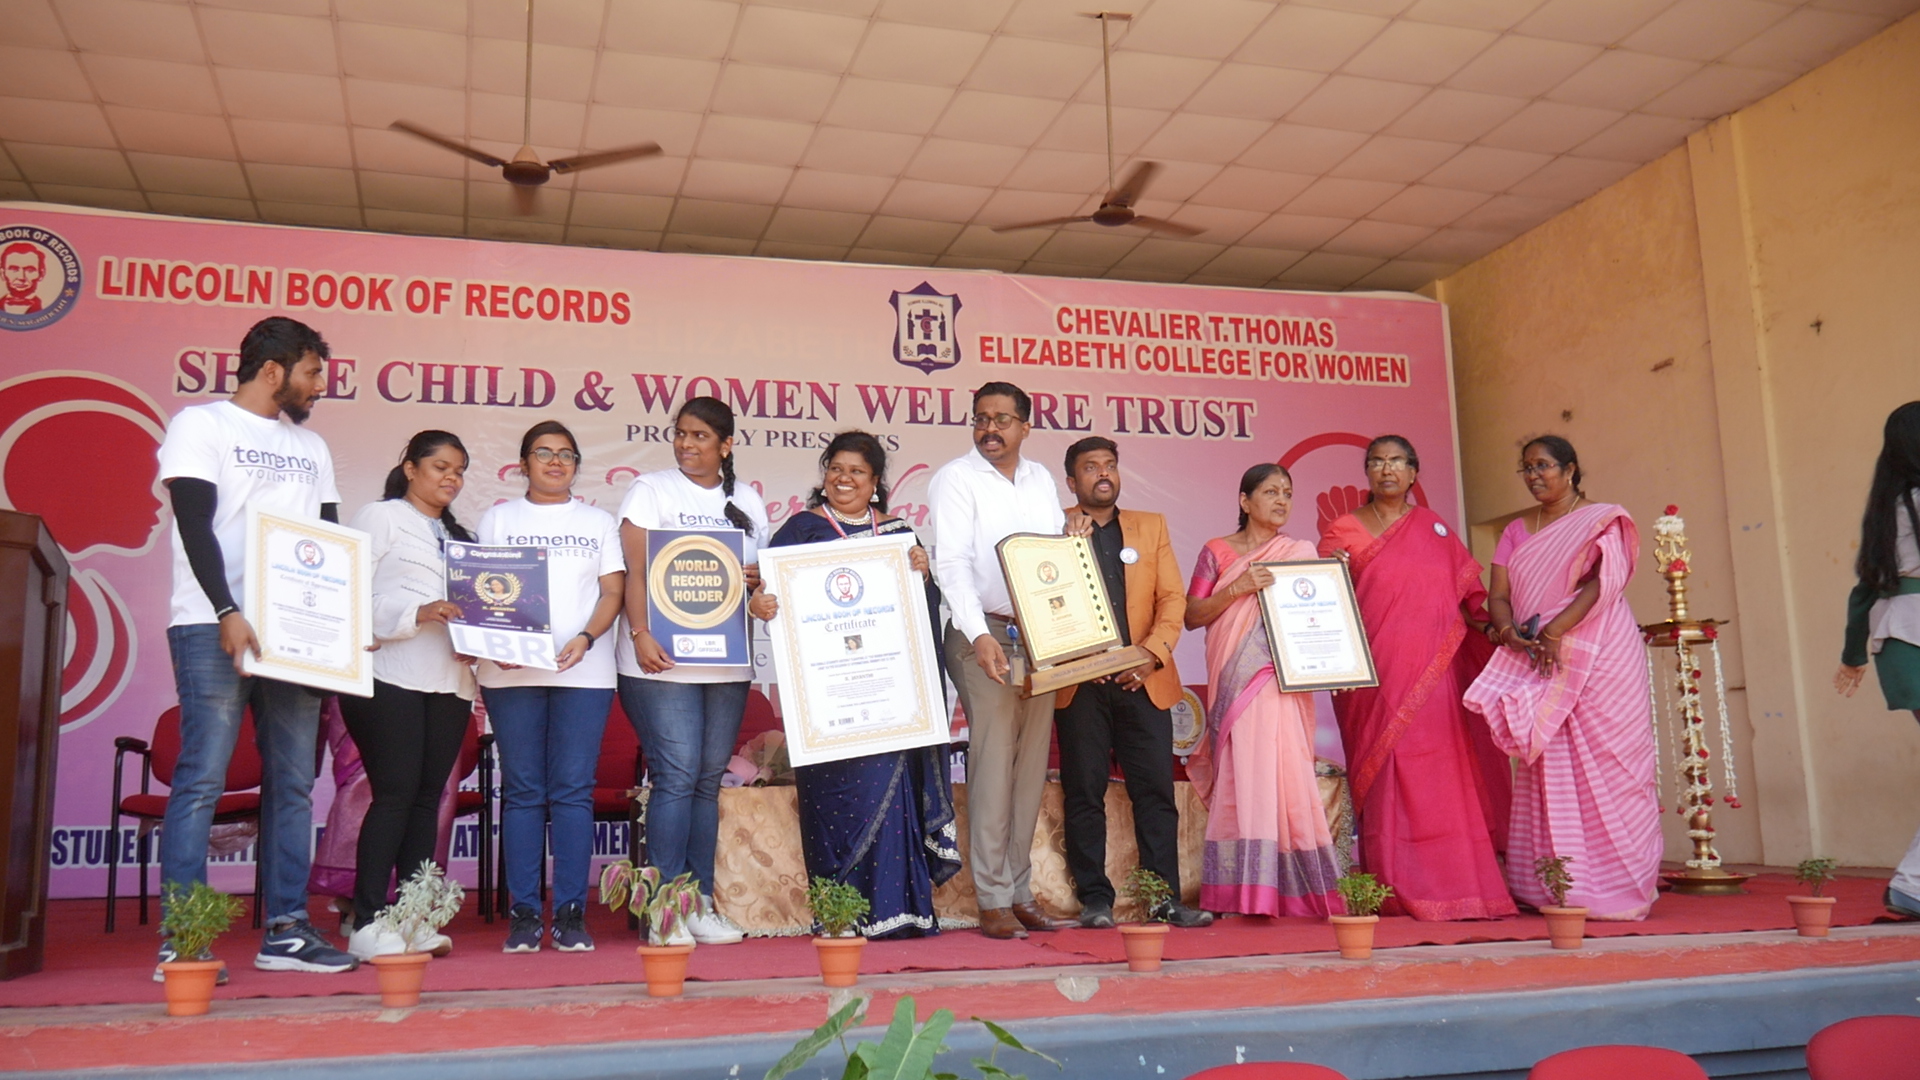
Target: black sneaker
[[524, 935], [570, 930], [168, 956], [1183, 916], [297, 946], [1096, 914]]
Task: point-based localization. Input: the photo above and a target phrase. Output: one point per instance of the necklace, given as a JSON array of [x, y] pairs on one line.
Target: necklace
[[836, 519], [1382, 518], [1570, 509]]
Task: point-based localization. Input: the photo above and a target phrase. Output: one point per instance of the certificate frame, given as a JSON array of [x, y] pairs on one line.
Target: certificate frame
[[1066, 619], [1314, 598], [332, 566], [822, 588]]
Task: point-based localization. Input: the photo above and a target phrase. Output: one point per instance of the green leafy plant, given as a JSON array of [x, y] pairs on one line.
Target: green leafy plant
[[427, 902], [906, 1052], [663, 906], [1553, 875], [1815, 873], [1151, 892], [1362, 893], [193, 918], [837, 906]]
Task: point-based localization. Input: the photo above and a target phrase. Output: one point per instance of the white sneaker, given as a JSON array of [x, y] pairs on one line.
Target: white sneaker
[[429, 940], [681, 935], [374, 940], [709, 927]]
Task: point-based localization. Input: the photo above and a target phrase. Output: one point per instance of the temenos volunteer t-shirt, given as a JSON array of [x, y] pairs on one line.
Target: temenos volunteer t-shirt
[[583, 544], [250, 460], [668, 500]]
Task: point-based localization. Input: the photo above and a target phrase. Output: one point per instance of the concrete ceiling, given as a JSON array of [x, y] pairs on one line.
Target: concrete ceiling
[[1318, 143]]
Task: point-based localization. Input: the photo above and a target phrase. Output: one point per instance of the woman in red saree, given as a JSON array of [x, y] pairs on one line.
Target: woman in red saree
[[1569, 696], [1268, 848], [1432, 797]]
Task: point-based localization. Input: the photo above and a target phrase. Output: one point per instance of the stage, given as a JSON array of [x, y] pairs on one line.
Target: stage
[[1260, 984]]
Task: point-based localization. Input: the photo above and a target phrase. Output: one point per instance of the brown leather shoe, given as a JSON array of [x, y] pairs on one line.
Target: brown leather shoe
[[1000, 923], [1034, 917]]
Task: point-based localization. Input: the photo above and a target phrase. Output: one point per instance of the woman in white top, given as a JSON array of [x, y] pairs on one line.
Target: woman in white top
[[409, 732], [548, 723], [687, 716]]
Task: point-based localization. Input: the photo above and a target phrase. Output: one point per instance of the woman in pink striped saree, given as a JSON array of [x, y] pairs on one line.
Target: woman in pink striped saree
[[1268, 848], [1568, 695]]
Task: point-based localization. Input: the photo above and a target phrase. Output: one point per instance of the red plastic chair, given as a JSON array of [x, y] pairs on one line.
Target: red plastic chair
[[1615, 1062], [758, 718], [1881, 1047], [1269, 1070], [239, 800]]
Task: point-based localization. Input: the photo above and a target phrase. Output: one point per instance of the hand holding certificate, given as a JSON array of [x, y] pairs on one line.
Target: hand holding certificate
[[309, 595], [1314, 628]]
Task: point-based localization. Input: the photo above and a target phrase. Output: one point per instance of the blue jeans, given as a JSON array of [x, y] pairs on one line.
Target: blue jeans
[[687, 731], [549, 739], [286, 719]]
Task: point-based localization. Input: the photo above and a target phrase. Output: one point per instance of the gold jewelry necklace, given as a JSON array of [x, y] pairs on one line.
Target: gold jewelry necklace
[[1570, 509], [1382, 518]]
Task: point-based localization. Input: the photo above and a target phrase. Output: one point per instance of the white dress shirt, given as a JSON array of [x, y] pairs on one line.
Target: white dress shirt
[[409, 569], [975, 507], [1899, 616]]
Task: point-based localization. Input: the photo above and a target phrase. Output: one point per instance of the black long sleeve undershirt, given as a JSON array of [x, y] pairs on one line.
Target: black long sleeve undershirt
[[194, 502]]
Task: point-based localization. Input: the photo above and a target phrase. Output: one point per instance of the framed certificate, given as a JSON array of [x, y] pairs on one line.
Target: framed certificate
[[853, 648], [697, 595], [308, 591], [1060, 604], [504, 604], [1314, 628]]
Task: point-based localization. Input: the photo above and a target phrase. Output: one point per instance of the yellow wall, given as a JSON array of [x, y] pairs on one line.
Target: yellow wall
[[1665, 327]]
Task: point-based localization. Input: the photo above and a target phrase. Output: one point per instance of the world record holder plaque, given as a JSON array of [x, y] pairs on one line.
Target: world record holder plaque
[[696, 595], [1060, 604]]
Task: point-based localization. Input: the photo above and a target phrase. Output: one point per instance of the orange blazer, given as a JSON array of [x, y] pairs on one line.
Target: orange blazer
[[1156, 602]]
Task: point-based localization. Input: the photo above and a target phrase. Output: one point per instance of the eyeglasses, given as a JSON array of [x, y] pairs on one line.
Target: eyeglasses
[[1538, 468], [998, 421], [1380, 464], [547, 457]]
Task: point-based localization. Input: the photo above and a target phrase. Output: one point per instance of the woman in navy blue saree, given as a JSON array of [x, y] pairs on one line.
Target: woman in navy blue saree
[[882, 823]]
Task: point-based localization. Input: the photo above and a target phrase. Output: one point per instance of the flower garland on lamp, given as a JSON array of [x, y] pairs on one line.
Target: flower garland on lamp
[[1677, 637]]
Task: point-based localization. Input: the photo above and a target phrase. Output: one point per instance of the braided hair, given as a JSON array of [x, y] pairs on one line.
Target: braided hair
[[716, 414], [418, 448], [869, 448]]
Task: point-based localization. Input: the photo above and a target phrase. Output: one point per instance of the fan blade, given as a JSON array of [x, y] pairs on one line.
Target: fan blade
[[1165, 226], [525, 199], [604, 157], [1046, 224], [1136, 181], [460, 148]]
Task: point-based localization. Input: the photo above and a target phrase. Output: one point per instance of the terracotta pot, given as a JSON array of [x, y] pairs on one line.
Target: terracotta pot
[[1145, 943], [839, 959], [1566, 926], [666, 967], [1354, 934], [1812, 915], [190, 985], [401, 976]]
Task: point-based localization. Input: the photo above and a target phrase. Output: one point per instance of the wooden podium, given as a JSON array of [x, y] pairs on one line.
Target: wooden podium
[[33, 622]]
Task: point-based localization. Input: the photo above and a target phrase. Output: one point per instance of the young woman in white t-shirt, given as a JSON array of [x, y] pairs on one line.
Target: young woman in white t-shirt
[[548, 723], [409, 732], [687, 716]]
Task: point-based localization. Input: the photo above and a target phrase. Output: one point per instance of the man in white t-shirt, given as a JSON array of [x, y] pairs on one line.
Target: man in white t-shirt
[[217, 460]]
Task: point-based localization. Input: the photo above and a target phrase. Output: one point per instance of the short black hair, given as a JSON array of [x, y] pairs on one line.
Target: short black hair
[[281, 340], [1022, 404], [1087, 446]]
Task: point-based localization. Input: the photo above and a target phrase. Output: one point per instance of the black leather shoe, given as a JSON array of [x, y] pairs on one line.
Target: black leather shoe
[[1096, 914], [1186, 918]]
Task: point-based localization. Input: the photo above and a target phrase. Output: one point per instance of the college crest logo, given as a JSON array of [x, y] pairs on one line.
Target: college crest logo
[[39, 277], [925, 336]]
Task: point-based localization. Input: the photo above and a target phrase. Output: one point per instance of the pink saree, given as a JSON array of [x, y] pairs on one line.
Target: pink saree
[[1585, 783], [1268, 848], [1431, 790]]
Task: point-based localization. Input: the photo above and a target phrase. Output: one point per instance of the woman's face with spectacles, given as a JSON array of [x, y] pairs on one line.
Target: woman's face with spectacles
[[550, 466], [1390, 472], [1547, 480], [998, 430]]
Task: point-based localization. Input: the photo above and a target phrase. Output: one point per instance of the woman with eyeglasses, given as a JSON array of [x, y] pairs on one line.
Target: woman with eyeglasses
[[1431, 792], [548, 723], [409, 732], [1567, 694], [687, 715]]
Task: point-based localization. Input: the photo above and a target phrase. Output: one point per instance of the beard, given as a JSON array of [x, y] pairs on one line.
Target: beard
[[295, 409]]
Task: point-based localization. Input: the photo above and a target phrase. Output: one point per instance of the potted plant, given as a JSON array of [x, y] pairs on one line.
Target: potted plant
[[1812, 915], [1146, 940], [838, 908], [427, 902], [1363, 894], [1566, 926], [192, 919], [663, 907]]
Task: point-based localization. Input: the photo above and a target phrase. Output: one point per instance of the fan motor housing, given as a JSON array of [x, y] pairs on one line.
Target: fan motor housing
[[528, 173]]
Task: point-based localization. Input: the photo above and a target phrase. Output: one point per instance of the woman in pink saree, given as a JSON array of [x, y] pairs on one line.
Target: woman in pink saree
[[1568, 695], [1268, 848], [1431, 790]]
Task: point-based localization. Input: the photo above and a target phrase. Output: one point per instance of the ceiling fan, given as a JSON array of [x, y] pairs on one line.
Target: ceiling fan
[[526, 172], [1117, 208]]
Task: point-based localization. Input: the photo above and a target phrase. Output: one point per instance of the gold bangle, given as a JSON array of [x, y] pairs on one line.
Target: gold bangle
[[1544, 636]]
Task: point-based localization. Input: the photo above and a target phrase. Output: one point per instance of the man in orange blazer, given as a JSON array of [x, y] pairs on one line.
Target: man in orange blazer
[[1124, 715]]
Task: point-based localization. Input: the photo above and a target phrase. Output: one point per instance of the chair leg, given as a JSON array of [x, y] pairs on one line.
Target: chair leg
[[485, 853], [146, 857], [113, 864]]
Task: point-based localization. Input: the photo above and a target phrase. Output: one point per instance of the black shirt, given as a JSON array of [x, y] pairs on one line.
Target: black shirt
[[1107, 545]]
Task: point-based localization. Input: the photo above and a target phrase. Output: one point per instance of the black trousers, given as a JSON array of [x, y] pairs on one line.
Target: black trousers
[[1103, 722], [408, 742]]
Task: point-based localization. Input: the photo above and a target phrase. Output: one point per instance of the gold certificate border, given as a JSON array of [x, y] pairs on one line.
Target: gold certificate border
[[658, 594], [360, 671], [1362, 674], [1018, 553]]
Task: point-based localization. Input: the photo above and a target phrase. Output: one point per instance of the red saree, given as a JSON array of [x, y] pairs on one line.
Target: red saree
[[1431, 790]]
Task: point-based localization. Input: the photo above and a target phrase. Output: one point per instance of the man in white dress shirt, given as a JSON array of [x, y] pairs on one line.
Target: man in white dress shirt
[[977, 501]]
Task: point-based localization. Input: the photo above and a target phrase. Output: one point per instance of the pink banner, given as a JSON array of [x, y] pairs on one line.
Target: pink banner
[[116, 322]]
